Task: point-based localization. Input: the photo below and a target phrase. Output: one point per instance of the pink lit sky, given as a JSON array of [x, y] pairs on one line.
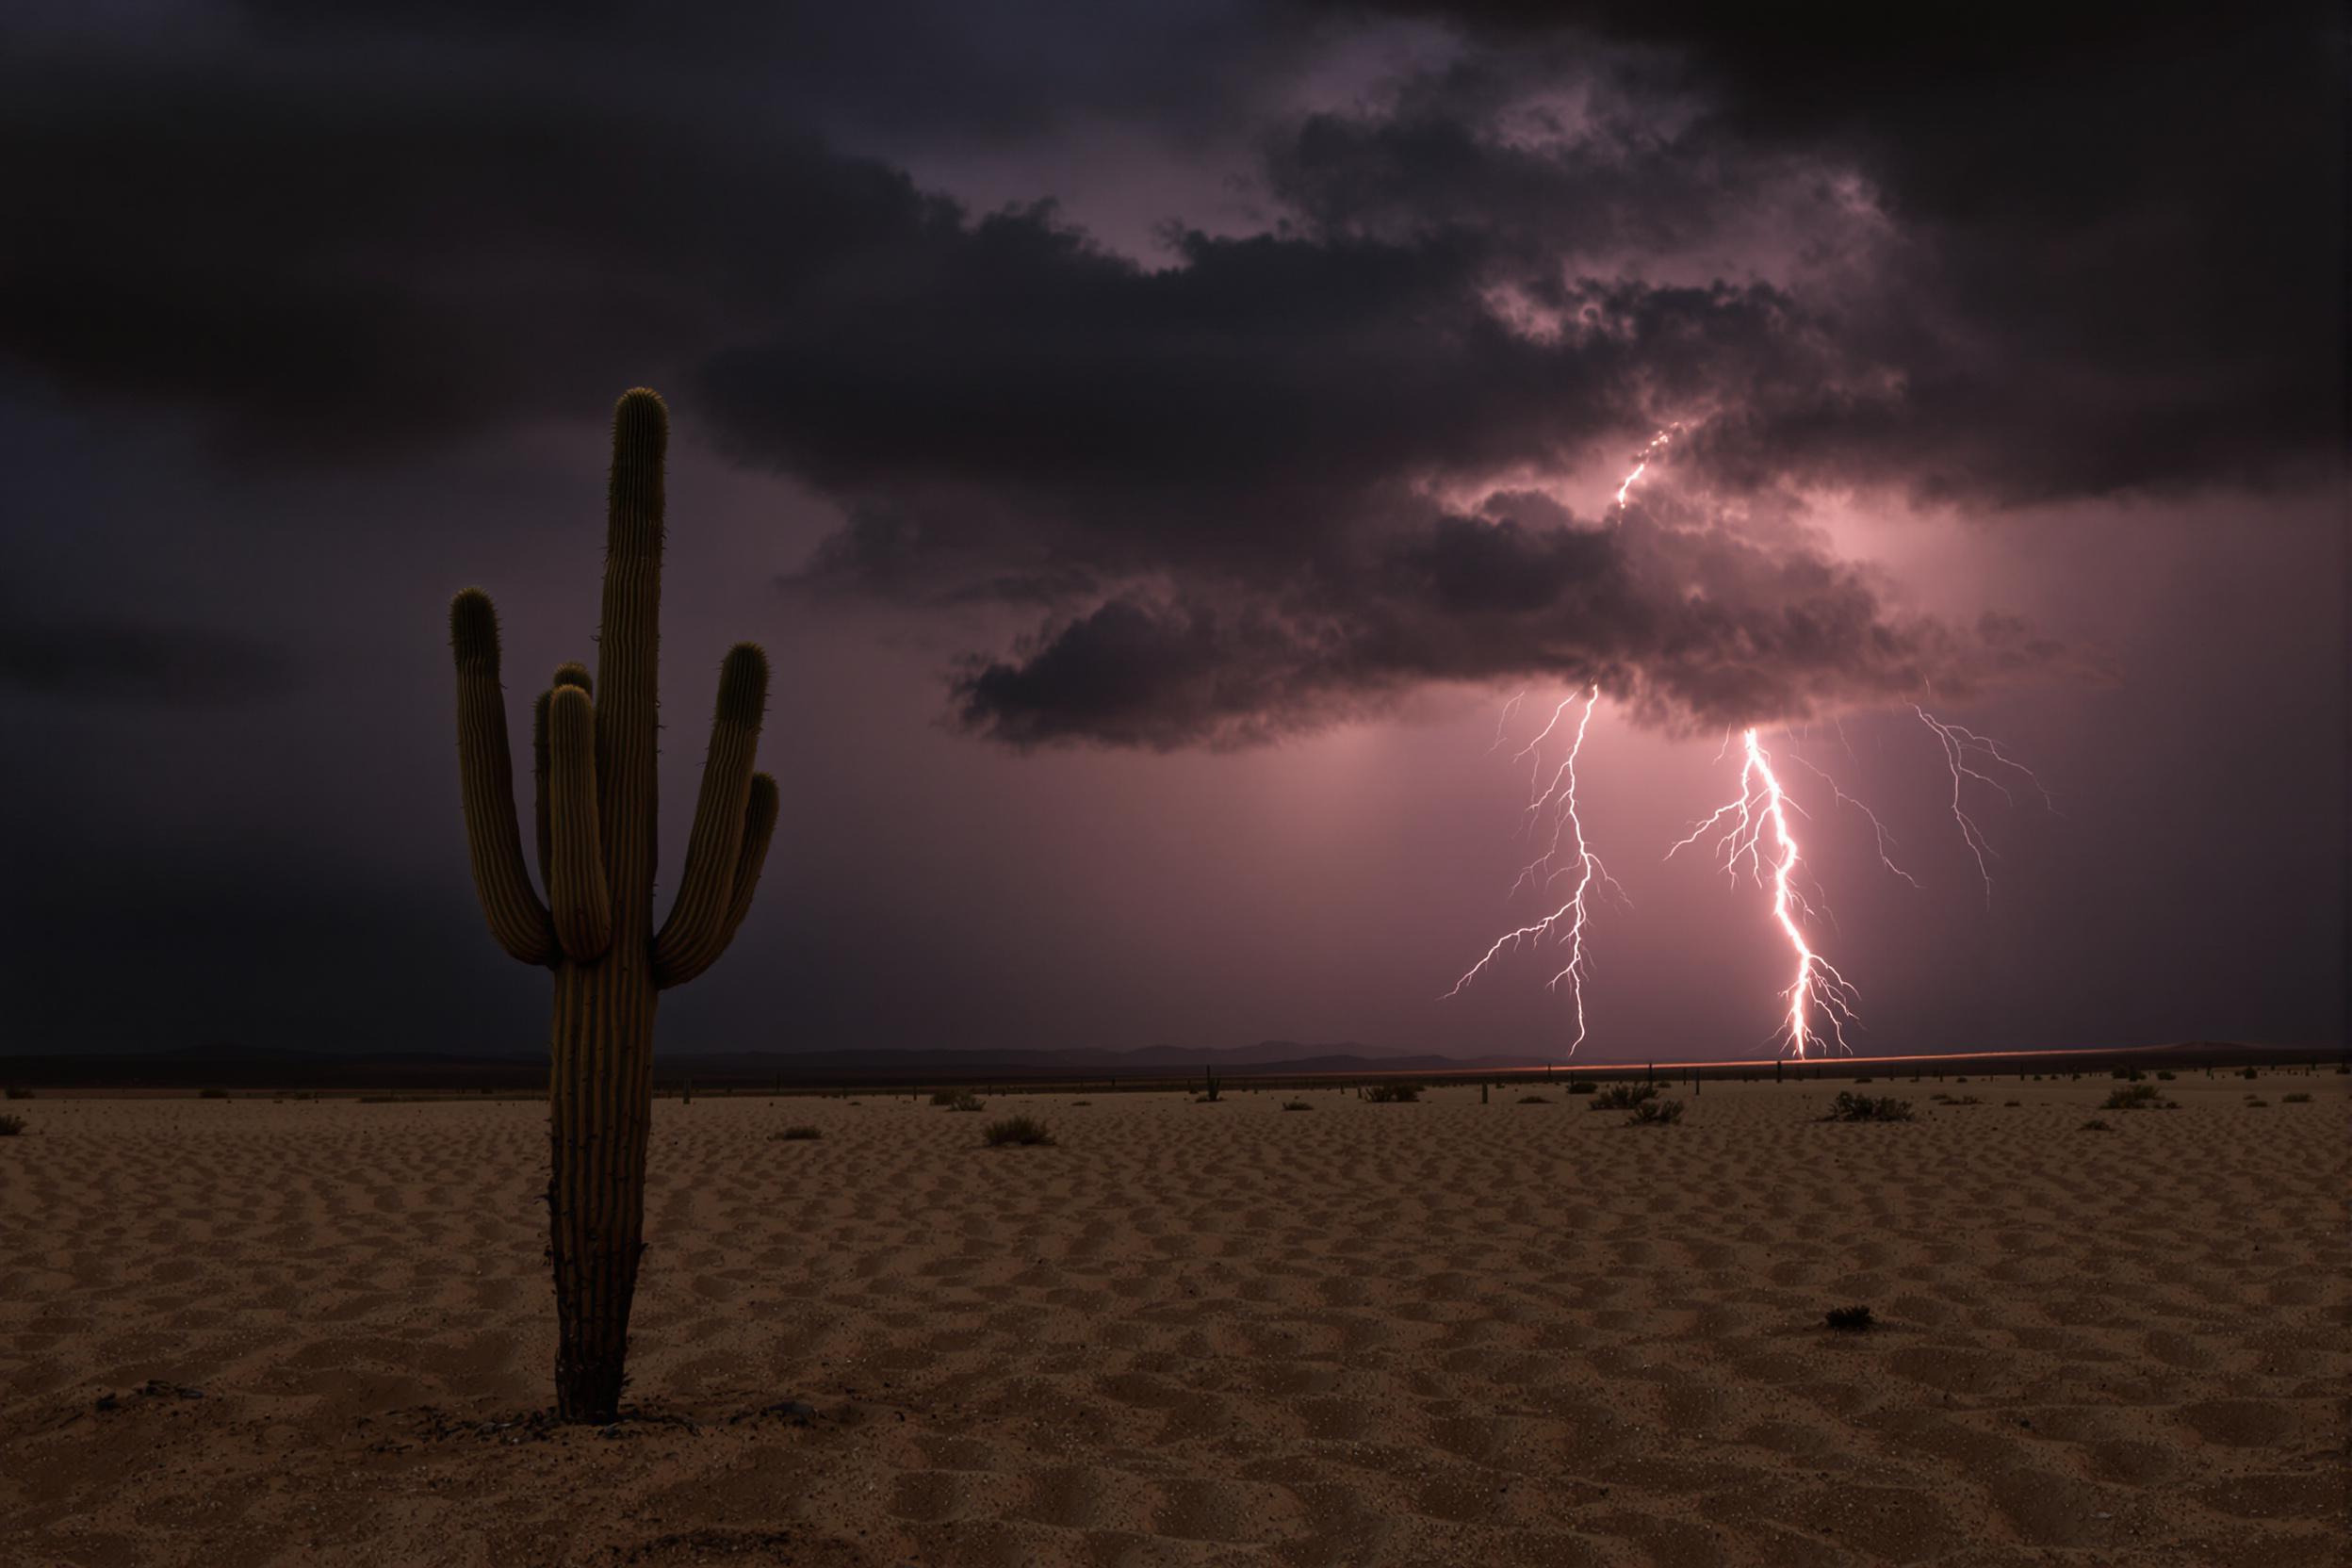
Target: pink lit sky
[[1152, 449]]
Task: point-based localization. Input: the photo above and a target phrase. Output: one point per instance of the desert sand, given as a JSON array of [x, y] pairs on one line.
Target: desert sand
[[245, 1332]]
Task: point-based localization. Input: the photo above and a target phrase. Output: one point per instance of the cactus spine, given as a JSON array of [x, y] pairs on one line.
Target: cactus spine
[[593, 744]]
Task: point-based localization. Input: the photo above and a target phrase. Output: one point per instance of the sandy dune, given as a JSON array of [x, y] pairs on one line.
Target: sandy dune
[[1223, 1333]]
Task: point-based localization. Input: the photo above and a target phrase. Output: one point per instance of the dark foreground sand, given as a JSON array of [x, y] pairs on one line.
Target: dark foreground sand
[[1362, 1334]]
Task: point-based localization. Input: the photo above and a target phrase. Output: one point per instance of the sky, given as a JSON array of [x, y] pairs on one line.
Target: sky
[[1171, 453]]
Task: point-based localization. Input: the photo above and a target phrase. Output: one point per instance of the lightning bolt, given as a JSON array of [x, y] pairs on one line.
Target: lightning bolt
[[1886, 838], [1642, 460], [1568, 853], [1964, 747], [1755, 834], [1761, 810]]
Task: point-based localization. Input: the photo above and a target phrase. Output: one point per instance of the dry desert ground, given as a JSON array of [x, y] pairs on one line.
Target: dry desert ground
[[319, 1331]]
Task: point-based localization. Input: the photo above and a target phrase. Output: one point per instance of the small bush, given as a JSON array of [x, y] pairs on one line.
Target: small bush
[[1533, 1100], [2094, 1125], [1861, 1108], [1623, 1097], [2139, 1097], [2296, 1099], [18, 1091], [2010, 1104], [1393, 1094], [1958, 1099], [2164, 1074], [212, 1094], [1080, 1104], [1866, 1080], [1655, 1113], [1852, 1320], [1297, 1105], [799, 1134], [1023, 1130], [2249, 1074], [2254, 1105], [1584, 1085], [10, 1126], [958, 1100]]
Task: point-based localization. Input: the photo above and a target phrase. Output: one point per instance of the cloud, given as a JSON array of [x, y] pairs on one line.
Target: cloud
[[1253, 489], [1691, 623], [2112, 243]]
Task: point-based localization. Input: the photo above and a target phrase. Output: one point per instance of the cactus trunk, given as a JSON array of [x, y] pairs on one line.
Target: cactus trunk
[[592, 747], [600, 1109]]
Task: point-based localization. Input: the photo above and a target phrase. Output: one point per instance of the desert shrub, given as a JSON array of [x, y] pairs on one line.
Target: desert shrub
[[1080, 1104], [2164, 1074], [1861, 1108], [2139, 1097], [1584, 1085], [2010, 1104], [1533, 1100], [1623, 1097], [2296, 1099], [2254, 1105], [2122, 1073], [1655, 1113], [212, 1094], [1865, 1080], [2096, 1125], [1023, 1130], [18, 1091], [799, 1134], [1297, 1105], [1853, 1320], [10, 1126], [1398, 1093], [2249, 1074], [958, 1100], [1959, 1080]]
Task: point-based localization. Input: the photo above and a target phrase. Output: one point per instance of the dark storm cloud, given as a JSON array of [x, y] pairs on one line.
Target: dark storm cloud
[[143, 666], [327, 259], [2114, 253], [1687, 624], [2061, 264]]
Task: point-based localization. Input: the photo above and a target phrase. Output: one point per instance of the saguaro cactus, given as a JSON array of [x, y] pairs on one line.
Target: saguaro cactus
[[592, 747]]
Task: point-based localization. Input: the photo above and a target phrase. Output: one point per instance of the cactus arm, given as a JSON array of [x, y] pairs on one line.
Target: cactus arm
[[760, 816], [627, 652], [759, 827], [486, 781], [578, 900], [697, 928], [566, 675]]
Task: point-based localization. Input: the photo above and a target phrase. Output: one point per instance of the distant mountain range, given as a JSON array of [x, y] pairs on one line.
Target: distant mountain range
[[235, 1067]]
